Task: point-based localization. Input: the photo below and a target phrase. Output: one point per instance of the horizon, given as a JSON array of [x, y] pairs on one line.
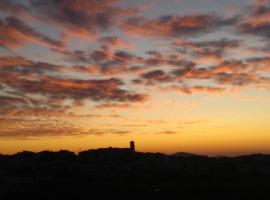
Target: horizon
[[174, 76], [76, 152], [166, 154]]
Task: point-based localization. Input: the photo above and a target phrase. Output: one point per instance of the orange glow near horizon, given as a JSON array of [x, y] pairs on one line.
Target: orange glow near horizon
[[161, 130]]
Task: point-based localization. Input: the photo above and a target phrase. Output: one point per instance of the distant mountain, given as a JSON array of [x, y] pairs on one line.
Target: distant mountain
[[185, 154]]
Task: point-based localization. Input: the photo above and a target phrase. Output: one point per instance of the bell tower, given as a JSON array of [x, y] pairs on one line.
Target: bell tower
[[132, 146]]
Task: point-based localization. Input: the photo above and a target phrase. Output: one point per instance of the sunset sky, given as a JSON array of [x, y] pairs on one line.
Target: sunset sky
[[172, 75]]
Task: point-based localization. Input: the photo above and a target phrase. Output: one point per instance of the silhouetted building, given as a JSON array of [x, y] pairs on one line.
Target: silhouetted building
[[132, 146]]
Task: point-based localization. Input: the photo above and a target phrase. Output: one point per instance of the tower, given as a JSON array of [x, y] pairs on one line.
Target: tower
[[132, 146]]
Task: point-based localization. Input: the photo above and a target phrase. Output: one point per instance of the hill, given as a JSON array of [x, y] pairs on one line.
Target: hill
[[115, 171]]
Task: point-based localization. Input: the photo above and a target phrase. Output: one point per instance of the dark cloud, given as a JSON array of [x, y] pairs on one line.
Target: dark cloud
[[23, 129], [259, 63], [228, 73], [76, 89], [190, 72], [207, 52], [13, 8], [18, 65], [36, 129], [257, 22], [6, 61], [240, 73], [114, 42], [175, 26], [113, 106], [195, 89], [215, 46], [15, 33], [260, 30], [35, 89], [16, 105], [231, 66], [105, 60], [155, 58], [218, 44], [80, 17], [6, 101], [156, 75], [240, 79]]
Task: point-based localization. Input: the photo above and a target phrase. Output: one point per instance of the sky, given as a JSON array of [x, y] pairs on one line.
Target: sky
[[174, 76]]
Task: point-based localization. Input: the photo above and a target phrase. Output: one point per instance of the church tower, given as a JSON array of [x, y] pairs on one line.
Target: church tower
[[132, 146]]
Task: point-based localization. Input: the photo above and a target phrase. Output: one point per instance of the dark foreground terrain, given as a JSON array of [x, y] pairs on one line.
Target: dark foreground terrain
[[62, 175]]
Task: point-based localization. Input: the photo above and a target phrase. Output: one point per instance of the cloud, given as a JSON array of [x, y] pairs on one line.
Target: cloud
[[175, 26], [16, 112], [195, 89], [229, 73], [35, 90], [15, 33], [191, 72], [214, 45], [113, 106], [156, 75], [105, 60], [154, 58], [240, 79], [7, 101], [231, 66], [12, 69], [260, 63], [12, 60], [76, 89], [167, 132], [258, 21], [37, 129], [12, 8], [207, 52], [15, 105], [114, 42], [80, 17], [19, 66], [260, 30], [23, 129], [208, 58]]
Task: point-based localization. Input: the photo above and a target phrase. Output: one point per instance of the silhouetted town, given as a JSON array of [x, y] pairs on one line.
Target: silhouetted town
[[116, 171]]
